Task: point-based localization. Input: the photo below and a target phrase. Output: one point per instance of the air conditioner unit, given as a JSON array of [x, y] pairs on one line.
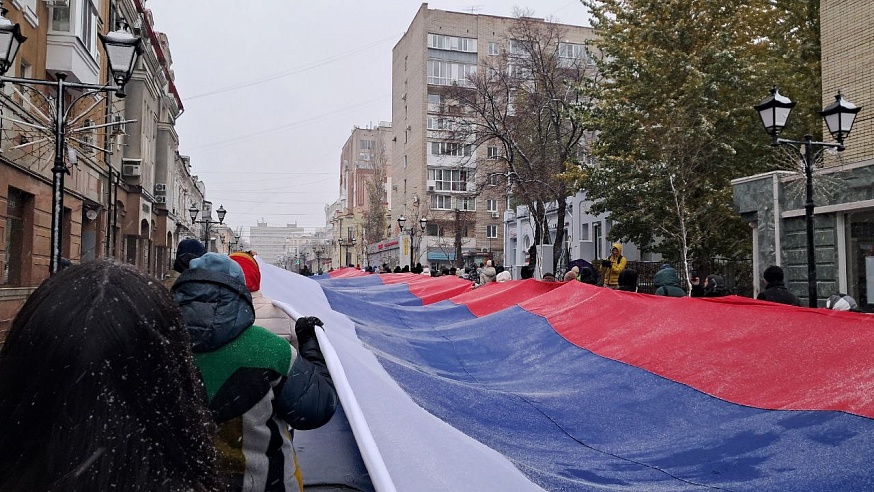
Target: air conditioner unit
[[160, 199], [431, 184], [495, 215], [130, 170], [160, 188], [484, 250], [131, 167]]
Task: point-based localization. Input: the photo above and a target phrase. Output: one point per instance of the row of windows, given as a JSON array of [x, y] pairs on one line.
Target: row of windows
[[437, 123], [449, 179], [444, 202], [449, 73], [452, 43], [438, 230], [455, 43], [451, 149]]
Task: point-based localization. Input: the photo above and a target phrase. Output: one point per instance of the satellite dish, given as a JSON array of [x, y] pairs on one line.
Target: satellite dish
[[91, 214]]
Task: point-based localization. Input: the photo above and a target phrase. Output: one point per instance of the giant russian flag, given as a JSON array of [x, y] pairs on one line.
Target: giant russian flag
[[527, 385]]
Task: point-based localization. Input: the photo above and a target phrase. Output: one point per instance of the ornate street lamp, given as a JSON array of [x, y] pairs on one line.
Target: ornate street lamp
[[423, 222], [122, 52], [839, 117], [206, 221], [10, 40], [122, 49]]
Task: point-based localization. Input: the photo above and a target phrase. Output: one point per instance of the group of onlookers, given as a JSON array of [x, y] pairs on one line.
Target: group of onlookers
[[614, 274], [110, 381]]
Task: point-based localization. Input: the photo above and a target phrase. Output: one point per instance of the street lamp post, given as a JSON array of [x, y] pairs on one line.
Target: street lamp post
[[839, 117], [207, 221], [319, 251], [423, 222], [122, 49], [348, 242]]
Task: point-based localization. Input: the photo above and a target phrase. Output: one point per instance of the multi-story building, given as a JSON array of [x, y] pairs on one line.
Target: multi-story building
[[433, 176], [365, 168], [127, 189], [272, 242], [773, 203]]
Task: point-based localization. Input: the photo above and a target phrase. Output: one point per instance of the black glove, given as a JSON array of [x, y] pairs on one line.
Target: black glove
[[606, 264], [305, 328]]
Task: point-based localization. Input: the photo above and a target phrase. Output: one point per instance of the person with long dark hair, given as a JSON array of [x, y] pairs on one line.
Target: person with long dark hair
[[98, 390]]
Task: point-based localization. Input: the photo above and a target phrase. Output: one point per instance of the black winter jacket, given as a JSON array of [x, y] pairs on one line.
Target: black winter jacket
[[777, 292]]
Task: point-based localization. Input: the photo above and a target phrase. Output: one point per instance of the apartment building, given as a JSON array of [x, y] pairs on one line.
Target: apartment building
[[127, 189], [773, 203], [434, 177], [365, 167]]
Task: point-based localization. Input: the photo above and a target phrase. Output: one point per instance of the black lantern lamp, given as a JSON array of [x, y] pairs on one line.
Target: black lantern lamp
[[122, 50], [839, 116], [10, 40], [774, 111]]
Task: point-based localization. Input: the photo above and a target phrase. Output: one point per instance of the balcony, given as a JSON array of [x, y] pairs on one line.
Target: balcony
[[66, 53]]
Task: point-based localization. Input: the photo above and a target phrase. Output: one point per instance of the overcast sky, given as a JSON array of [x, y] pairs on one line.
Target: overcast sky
[[272, 90]]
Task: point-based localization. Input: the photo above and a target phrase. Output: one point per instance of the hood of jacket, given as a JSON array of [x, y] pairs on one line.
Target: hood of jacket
[[715, 284], [617, 246], [665, 277], [214, 301]]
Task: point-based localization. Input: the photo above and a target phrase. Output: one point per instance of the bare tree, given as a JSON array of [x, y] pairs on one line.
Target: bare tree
[[530, 103], [376, 212]]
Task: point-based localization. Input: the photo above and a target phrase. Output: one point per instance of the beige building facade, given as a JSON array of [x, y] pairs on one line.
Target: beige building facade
[[433, 177]]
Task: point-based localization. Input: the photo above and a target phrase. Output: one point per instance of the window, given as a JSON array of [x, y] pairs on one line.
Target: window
[[492, 205], [465, 203], [435, 103], [571, 54], [366, 148], [17, 209], [449, 73], [493, 179], [521, 47], [88, 32], [584, 232], [441, 202], [596, 238], [451, 43], [571, 50], [492, 152], [494, 48], [436, 230], [451, 148], [491, 231], [449, 179], [61, 19]]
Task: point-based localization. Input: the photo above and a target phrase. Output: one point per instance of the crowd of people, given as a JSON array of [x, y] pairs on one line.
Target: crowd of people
[[111, 381]]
